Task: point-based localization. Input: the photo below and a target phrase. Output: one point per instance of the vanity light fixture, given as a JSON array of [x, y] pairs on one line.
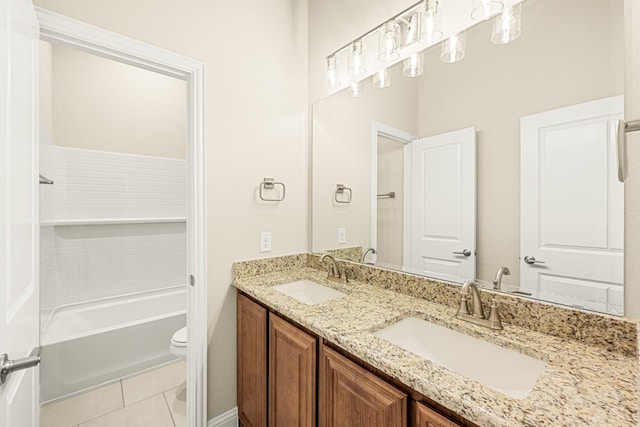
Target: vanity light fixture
[[413, 66], [507, 26], [389, 41], [356, 59], [453, 48], [356, 89], [382, 79], [432, 22], [332, 72], [485, 9]]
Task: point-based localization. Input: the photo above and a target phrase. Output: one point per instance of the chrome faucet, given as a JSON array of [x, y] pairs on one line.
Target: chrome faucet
[[333, 271], [364, 255], [475, 314], [497, 282]]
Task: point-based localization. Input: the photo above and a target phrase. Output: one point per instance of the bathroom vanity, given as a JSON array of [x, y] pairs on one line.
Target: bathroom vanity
[[290, 350]]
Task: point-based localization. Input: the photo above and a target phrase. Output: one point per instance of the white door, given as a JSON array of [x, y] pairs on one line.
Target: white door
[[572, 216], [18, 208], [443, 206]]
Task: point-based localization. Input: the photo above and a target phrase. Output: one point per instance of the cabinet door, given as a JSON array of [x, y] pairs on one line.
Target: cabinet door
[[427, 417], [252, 363], [350, 396], [292, 375]]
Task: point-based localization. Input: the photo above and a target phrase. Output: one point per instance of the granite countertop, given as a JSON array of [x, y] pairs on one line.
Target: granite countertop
[[582, 385]]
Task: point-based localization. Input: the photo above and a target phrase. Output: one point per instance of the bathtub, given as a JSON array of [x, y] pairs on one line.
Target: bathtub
[[89, 344]]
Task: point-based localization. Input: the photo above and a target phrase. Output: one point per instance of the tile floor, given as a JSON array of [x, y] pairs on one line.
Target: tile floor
[[154, 398]]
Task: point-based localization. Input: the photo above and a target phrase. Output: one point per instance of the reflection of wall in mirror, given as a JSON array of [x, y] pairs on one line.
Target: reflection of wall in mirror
[[390, 210], [99, 104], [569, 53], [342, 144]]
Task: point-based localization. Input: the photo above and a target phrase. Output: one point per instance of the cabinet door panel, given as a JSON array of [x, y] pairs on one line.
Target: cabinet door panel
[[292, 375], [350, 396], [427, 417], [252, 363]]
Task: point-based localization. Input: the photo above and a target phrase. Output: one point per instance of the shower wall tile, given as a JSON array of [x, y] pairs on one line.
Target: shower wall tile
[[97, 261], [90, 185], [79, 263]]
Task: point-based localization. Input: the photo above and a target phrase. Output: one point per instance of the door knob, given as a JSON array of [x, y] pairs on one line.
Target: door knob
[[465, 252], [8, 366], [532, 260]]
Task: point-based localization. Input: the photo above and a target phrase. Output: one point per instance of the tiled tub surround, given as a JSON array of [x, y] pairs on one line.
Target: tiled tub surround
[[591, 377]]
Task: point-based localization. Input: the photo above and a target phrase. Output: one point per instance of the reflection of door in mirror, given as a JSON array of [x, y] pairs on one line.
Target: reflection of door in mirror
[[443, 206], [573, 206]]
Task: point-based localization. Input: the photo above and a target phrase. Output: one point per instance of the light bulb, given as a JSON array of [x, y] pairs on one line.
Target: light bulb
[[453, 49], [356, 89], [382, 79], [432, 23], [388, 41], [507, 25], [356, 59], [413, 65]]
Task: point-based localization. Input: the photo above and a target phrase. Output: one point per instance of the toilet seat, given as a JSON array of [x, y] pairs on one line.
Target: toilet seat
[[179, 338]]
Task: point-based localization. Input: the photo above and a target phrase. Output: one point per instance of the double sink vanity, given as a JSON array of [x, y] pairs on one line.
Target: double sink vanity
[[384, 348]]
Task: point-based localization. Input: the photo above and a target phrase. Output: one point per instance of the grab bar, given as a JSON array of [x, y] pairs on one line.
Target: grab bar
[[341, 189], [623, 128], [389, 195], [45, 180]]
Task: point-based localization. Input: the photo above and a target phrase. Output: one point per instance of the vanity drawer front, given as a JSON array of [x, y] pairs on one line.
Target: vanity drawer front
[[424, 416]]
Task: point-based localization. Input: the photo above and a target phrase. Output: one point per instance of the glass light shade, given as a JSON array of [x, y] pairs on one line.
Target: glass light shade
[[382, 79], [453, 48], [413, 66], [485, 9], [356, 89], [356, 59], [331, 79], [389, 41], [431, 28], [508, 25]]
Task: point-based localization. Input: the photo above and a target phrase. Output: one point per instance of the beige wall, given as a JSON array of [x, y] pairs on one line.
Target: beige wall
[[342, 155], [255, 54], [104, 105], [390, 233], [494, 86], [632, 187]]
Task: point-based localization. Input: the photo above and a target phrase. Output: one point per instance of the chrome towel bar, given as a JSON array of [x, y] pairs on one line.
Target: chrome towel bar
[[45, 180], [389, 195]]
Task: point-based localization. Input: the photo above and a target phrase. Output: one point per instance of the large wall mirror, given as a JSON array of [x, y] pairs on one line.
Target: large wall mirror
[[500, 167]]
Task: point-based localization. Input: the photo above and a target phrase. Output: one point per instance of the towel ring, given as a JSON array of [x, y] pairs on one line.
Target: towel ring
[[341, 189], [270, 184]]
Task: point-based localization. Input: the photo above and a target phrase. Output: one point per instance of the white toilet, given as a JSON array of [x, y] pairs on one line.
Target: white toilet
[[179, 343]]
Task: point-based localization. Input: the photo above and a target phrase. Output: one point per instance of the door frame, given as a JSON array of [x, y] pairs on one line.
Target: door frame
[[381, 129], [60, 29]]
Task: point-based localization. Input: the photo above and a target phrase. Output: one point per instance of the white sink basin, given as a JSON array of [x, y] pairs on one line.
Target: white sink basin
[[309, 292], [504, 370]]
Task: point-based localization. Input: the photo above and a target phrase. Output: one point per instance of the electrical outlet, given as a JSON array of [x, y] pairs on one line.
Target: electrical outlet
[[265, 241], [342, 235]]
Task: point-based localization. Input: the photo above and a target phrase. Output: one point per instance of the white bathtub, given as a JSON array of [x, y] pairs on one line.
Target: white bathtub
[[88, 344]]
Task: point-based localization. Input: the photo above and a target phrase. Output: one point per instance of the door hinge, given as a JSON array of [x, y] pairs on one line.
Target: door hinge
[[192, 280]]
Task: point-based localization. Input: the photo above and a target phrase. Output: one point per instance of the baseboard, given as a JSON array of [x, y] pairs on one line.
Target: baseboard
[[228, 419]]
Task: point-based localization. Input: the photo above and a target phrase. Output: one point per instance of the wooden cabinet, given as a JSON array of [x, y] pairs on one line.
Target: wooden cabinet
[[292, 375], [279, 372], [423, 416], [252, 363], [351, 396]]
